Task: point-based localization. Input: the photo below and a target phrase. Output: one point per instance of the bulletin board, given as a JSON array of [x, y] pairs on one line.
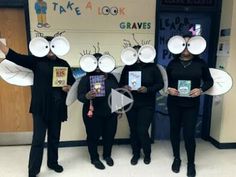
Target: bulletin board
[[89, 22]]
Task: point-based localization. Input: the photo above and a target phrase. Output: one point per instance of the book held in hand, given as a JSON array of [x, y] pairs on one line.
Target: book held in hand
[[59, 76], [97, 84], [184, 88], [135, 79]]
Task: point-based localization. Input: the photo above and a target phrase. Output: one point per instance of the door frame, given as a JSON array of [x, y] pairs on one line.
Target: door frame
[[214, 12]]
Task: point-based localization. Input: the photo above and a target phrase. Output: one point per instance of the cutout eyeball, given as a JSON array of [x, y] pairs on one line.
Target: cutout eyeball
[[196, 45], [129, 56], [60, 46], [106, 63], [176, 44], [88, 63], [39, 47], [147, 53]]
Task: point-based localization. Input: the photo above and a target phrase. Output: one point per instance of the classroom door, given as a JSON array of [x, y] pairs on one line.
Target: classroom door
[[14, 100]]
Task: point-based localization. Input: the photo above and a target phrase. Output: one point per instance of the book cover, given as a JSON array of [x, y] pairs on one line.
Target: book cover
[[97, 83], [135, 79], [59, 76], [184, 88]]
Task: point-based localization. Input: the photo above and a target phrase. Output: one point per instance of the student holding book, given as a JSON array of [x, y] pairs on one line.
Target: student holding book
[[188, 77], [143, 79], [93, 90], [47, 104]]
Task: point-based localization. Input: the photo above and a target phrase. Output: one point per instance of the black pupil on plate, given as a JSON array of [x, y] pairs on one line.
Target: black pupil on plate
[[53, 46], [188, 44], [46, 47], [183, 44], [134, 55]]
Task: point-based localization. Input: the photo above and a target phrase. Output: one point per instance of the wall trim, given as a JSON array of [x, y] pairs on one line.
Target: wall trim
[[222, 145]]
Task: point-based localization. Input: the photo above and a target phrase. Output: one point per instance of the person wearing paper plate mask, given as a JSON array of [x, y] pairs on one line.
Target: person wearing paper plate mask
[[188, 78], [48, 95], [93, 90], [143, 78]]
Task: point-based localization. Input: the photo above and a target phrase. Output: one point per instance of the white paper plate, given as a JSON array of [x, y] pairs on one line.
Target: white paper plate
[[129, 56], [88, 63], [106, 63], [147, 53], [117, 72], [163, 91], [15, 74], [196, 45], [73, 93], [60, 46], [222, 82], [39, 47], [176, 44]]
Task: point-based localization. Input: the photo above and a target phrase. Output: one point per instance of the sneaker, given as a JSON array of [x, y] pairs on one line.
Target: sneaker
[[57, 168], [176, 165], [134, 159], [98, 164], [109, 161], [191, 172], [147, 160]]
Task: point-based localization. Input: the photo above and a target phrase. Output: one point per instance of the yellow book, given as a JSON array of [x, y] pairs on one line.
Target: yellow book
[[59, 76]]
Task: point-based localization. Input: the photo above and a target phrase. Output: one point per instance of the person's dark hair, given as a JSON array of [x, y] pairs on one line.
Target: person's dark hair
[[49, 38], [97, 55], [137, 47]]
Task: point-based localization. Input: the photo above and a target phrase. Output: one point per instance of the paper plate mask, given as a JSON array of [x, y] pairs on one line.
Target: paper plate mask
[[40, 47], [89, 63], [196, 45], [222, 82], [146, 54], [15, 74]]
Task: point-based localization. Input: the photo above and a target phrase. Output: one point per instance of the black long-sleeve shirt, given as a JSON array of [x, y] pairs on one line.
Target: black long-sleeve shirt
[[44, 96], [100, 104], [151, 78], [196, 71]]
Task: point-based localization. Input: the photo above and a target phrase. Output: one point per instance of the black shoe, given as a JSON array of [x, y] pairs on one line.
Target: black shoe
[[109, 161], [191, 172], [134, 159], [98, 164], [147, 160], [176, 165], [57, 168]]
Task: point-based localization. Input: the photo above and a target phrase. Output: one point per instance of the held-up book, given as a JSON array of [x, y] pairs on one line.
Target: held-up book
[[97, 83], [184, 88], [135, 79], [59, 76]]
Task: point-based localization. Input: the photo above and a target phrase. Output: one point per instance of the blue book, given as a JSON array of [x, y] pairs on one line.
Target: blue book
[[135, 79], [97, 83], [184, 88]]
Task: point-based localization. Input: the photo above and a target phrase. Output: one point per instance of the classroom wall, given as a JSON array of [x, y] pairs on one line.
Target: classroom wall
[[223, 110], [88, 22]]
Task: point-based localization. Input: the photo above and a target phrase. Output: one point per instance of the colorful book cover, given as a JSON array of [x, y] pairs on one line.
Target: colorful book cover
[[97, 83], [59, 76], [184, 88], [135, 79]]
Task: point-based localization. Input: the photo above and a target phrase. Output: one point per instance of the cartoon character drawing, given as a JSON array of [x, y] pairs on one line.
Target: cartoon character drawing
[[41, 11]]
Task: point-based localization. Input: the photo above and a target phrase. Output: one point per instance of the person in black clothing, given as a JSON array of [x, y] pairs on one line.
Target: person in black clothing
[[47, 106], [141, 114], [183, 111], [101, 123]]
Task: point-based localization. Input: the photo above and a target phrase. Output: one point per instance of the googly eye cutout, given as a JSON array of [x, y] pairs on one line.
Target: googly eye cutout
[[88, 63], [60, 46], [114, 10], [39, 47], [106, 63], [105, 10], [176, 44], [147, 53], [196, 45], [129, 56]]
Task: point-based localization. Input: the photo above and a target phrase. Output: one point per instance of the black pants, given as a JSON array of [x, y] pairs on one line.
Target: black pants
[[100, 126], [53, 125], [186, 117], [140, 119]]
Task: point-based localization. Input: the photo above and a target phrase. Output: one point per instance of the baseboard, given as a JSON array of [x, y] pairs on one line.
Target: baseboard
[[222, 145]]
